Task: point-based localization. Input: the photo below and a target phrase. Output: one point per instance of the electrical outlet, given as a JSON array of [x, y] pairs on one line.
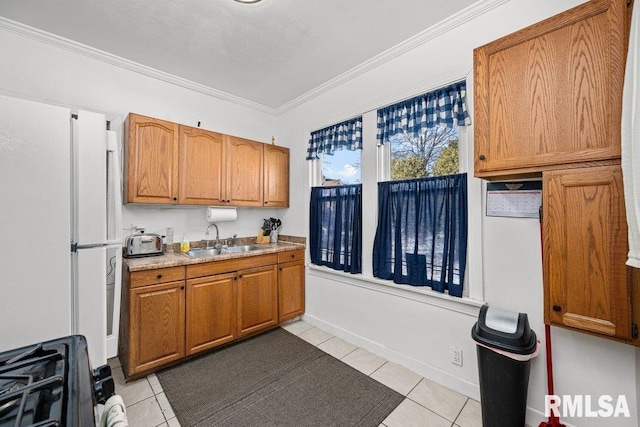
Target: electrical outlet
[[456, 356]]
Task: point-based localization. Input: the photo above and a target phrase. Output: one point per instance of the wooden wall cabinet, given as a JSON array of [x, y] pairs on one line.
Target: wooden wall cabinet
[[291, 284], [167, 163], [202, 167], [244, 170], [548, 103], [550, 94], [276, 176], [151, 160], [153, 319], [585, 247]]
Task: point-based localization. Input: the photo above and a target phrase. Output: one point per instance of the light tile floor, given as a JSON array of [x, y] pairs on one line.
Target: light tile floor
[[426, 404]]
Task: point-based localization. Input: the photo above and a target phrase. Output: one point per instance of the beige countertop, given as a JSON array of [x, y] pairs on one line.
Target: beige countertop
[[176, 259]]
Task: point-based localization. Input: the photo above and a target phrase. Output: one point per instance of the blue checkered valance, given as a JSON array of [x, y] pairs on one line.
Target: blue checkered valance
[[446, 106], [345, 135]]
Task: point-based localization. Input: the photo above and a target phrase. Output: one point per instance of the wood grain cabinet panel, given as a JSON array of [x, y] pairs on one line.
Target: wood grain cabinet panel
[[244, 177], [257, 299], [151, 160], [165, 318], [156, 326], [585, 246], [550, 94], [291, 290], [211, 312], [168, 163], [202, 167], [276, 176]]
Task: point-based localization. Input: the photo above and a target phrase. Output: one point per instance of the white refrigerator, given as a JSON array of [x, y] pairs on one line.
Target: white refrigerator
[[60, 210]]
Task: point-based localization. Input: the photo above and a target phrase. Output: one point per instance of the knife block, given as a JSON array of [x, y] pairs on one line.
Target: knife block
[[262, 239]]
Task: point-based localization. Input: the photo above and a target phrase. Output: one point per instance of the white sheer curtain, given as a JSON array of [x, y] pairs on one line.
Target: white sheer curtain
[[631, 139]]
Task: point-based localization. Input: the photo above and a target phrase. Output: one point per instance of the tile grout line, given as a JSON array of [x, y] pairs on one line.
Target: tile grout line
[[414, 387], [461, 409], [378, 368], [430, 410]]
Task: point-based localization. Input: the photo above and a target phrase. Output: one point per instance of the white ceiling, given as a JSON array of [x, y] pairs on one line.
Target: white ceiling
[[269, 53]]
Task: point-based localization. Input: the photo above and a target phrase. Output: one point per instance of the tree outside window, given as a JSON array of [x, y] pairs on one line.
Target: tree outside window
[[434, 153]]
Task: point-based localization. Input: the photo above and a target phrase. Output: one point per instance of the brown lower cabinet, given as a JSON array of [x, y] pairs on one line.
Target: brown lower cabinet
[[257, 299], [211, 304], [156, 325], [170, 313], [290, 289]]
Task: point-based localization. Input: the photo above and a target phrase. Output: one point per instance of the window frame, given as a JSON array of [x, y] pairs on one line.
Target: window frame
[[375, 167]]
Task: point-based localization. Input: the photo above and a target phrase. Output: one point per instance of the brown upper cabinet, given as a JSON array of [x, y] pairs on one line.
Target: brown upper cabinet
[[244, 172], [551, 93], [151, 160], [202, 170], [276, 176], [168, 163], [585, 246]]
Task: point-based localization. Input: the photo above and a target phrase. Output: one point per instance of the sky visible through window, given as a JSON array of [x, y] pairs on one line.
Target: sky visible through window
[[342, 167]]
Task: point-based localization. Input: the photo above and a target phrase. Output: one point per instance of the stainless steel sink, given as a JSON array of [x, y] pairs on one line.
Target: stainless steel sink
[[242, 248], [201, 252]]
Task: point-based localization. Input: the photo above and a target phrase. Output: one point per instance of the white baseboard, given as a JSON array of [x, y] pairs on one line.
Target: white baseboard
[[423, 369]]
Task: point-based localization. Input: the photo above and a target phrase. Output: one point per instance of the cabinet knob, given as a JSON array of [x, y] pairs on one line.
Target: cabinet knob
[[175, 198], [181, 287], [481, 157], [293, 255], [266, 203], [159, 276], [557, 308]]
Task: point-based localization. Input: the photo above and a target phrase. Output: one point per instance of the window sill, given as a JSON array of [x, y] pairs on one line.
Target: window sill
[[425, 295]]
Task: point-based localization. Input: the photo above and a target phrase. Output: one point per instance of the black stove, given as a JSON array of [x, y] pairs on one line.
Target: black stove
[[51, 384]]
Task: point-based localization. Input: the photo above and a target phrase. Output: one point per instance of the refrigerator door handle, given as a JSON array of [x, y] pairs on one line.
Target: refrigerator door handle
[[112, 147]]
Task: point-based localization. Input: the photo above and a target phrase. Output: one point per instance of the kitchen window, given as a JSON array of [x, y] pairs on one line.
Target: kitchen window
[[335, 227], [335, 214], [421, 233]]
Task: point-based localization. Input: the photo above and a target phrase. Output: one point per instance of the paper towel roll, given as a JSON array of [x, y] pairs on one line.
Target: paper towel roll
[[218, 214]]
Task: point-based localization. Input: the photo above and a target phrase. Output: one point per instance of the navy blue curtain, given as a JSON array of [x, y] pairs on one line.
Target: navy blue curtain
[[335, 227], [421, 238]]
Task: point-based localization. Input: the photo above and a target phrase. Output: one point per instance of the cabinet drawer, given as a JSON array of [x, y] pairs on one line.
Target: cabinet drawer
[[155, 276], [288, 256], [227, 266]]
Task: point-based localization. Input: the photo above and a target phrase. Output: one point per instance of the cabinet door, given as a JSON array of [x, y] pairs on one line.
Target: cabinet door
[[244, 172], [550, 93], [585, 247], [276, 176], [211, 312], [201, 167], [257, 299], [290, 290], [152, 160], [156, 325]]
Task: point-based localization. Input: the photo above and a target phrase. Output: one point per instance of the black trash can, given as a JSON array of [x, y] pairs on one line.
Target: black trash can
[[505, 346]]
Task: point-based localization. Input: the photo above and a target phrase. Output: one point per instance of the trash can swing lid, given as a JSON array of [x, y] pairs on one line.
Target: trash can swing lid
[[505, 331]]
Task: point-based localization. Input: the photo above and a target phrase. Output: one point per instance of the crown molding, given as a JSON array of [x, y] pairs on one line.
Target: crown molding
[[99, 55], [465, 15], [477, 9]]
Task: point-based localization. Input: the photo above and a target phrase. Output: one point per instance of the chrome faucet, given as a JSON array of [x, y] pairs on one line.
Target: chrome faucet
[[217, 245], [234, 240]]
